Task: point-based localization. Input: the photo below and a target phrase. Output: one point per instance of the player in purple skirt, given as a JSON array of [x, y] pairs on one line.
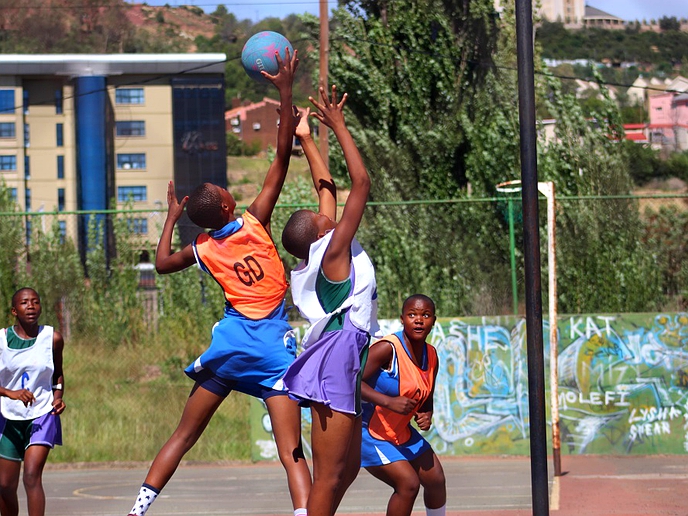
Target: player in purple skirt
[[334, 289]]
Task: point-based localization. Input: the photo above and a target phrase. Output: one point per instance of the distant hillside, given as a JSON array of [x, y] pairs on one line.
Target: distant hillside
[[184, 22], [666, 50], [97, 26], [114, 26]]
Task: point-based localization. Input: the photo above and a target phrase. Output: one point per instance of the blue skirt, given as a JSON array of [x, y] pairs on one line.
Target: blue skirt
[[248, 351], [378, 452]]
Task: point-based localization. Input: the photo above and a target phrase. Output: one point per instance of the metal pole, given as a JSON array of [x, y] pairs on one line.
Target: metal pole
[[531, 244], [547, 189], [324, 67], [512, 250]]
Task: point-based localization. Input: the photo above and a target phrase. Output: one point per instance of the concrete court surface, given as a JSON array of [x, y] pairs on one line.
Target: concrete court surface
[[477, 486]]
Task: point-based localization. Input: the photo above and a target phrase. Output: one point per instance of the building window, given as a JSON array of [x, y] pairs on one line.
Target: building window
[[60, 167], [58, 101], [138, 226], [59, 133], [28, 232], [131, 193], [130, 128], [27, 167], [27, 135], [129, 96], [7, 130], [62, 229], [27, 199], [25, 96], [8, 162], [6, 102], [131, 161], [60, 199], [13, 194]]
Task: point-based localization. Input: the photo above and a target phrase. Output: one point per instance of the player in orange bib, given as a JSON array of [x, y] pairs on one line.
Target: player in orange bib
[[253, 344], [398, 385]]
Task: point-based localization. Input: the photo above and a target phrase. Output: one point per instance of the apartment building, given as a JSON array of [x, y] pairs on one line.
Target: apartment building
[[79, 131]]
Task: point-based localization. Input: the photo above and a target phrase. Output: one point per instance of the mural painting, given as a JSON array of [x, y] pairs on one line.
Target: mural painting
[[622, 386]]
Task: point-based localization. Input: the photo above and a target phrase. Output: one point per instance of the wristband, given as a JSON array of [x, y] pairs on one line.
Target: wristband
[[57, 387]]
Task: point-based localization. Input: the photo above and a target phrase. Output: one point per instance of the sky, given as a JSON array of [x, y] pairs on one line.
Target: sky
[[642, 9], [256, 10]]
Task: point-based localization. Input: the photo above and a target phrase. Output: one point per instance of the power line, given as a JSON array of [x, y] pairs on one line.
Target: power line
[[484, 64]]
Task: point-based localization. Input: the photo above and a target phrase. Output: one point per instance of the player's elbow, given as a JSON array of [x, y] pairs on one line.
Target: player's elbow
[[361, 183]]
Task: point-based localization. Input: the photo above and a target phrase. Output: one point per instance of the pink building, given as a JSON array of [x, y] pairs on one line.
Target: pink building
[[668, 127]]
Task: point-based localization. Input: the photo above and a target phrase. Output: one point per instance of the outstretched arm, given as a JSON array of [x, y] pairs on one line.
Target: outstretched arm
[[336, 262], [262, 206], [322, 179], [166, 260]]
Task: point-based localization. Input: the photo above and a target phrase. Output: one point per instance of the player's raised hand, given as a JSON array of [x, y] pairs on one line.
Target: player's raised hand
[[331, 111], [286, 68], [174, 207]]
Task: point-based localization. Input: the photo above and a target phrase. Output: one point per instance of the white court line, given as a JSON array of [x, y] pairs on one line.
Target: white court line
[[640, 476]]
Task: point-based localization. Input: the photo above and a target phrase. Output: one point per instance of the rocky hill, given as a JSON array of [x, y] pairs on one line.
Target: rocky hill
[[100, 26], [184, 22]]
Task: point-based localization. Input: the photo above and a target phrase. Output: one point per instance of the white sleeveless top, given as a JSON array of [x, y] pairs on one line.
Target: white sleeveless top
[[29, 368], [362, 300]]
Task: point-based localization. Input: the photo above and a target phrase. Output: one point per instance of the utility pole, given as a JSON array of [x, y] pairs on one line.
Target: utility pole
[[324, 65]]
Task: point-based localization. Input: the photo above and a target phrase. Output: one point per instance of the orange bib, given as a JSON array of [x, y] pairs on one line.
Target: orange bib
[[247, 267], [414, 383]]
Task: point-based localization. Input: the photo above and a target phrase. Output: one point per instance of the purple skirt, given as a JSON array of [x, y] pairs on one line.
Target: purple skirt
[[328, 371]]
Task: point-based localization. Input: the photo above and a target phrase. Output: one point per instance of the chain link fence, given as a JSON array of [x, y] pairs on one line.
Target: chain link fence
[[130, 331]]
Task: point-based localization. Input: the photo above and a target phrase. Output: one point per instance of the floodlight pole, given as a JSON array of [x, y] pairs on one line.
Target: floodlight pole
[[324, 67], [531, 244], [547, 189]]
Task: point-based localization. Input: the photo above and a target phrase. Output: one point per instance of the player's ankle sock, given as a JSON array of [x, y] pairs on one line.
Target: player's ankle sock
[[441, 511], [300, 512], [147, 495]]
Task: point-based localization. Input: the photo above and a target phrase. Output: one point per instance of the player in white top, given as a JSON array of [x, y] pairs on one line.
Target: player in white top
[[32, 385]]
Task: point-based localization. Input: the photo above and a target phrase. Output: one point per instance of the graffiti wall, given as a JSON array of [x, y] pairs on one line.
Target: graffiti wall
[[622, 386]]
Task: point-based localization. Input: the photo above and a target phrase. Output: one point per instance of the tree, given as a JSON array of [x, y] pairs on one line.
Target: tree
[[411, 69], [667, 23], [433, 107]]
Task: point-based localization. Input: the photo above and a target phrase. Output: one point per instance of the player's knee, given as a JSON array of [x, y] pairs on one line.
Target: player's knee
[[289, 455], [409, 487], [32, 479], [8, 486], [434, 481]]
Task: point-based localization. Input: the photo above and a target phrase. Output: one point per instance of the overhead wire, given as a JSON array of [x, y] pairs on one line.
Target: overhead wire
[[140, 82]]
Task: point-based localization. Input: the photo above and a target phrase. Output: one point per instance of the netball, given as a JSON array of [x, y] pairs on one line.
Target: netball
[[258, 54]]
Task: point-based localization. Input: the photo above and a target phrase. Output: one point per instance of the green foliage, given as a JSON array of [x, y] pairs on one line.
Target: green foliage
[[433, 108], [599, 253], [409, 68], [667, 47], [11, 252], [669, 23], [646, 164], [238, 147], [664, 236], [643, 162]]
